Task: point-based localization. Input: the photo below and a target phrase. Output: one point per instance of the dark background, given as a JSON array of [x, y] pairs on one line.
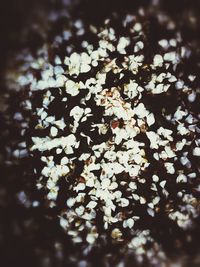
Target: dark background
[[26, 237], [16, 15]]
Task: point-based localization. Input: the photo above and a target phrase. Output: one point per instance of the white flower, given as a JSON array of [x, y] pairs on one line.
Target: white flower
[[60, 124], [124, 202], [117, 168], [169, 152], [181, 178], [137, 27], [123, 157], [90, 183], [80, 210], [131, 89], [50, 119], [78, 63], [170, 167], [182, 129], [52, 195], [135, 62], [121, 134], [79, 187], [53, 131], [155, 178], [137, 158], [84, 156], [105, 183], [163, 183], [160, 88], [123, 43], [165, 133], [182, 220], [70, 202], [110, 155], [133, 185], [117, 194], [128, 223], [63, 223], [91, 205], [153, 138], [113, 186], [158, 60], [171, 56], [150, 119], [91, 238], [160, 77], [72, 88], [77, 113], [163, 43], [141, 111], [134, 170], [196, 151], [64, 161]]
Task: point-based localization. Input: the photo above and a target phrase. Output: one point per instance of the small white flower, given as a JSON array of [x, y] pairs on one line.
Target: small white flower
[[77, 113], [117, 194], [137, 27], [63, 223], [171, 56], [113, 186], [60, 124], [137, 158], [133, 185], [72, 88], [79, 187], [122, 44], [153, 138], [130, 223], [91, 238], [90, 183], [117, 168], [141, 111], [184, 160], [170, 167], [151, 212], [105, 183], [91, 205], [124, 202], [135, 62], [155, 178], [50, 119], [150, 119], [131, 89], [70, 202], [110, 155], [52, 195], [181, 178], [53, 131], [78, 63], [158, 60], [196, 151], [80, 210], [163, 183], [182, 129], [84, 156], [160, 77], [134, 170], [163, 43]]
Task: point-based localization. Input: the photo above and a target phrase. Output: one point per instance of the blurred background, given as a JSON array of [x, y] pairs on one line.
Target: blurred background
[[27, 237]]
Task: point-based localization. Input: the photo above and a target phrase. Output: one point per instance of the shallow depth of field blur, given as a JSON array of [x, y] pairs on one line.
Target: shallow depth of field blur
[[27, 237]]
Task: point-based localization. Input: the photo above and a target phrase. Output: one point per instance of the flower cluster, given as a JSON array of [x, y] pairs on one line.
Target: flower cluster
[[103, 127]]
